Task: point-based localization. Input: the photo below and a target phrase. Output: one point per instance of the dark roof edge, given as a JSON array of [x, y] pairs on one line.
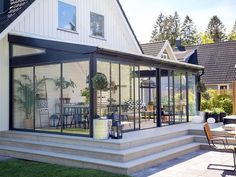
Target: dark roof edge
[[216, 43], [15, 16], [127, 20]]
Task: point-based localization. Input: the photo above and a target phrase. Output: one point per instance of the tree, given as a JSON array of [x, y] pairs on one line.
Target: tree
[[175, 29], [232, 35], [205, 38], [216, 29], [157, 33], [166, 28], [188, 32]]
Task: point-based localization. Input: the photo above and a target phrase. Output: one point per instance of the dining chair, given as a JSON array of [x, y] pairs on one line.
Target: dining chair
[[219, 144]]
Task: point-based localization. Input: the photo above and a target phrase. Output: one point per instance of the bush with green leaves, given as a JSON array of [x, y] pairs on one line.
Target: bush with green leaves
[[211, 100]]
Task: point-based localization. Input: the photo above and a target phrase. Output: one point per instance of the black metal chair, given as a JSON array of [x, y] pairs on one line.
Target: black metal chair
[[219, 144]]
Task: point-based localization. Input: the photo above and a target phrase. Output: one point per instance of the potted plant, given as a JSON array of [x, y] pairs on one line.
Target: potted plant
[[64, 84], [101, 126], [26, 95], [85, 93], [216, 113]]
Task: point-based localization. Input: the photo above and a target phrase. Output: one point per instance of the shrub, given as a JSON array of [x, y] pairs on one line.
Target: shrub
[[215, 102]]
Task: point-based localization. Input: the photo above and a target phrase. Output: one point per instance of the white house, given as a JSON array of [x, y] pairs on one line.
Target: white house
[[50, 51]]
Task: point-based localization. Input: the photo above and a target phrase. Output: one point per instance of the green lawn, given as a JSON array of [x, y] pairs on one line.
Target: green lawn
[[21, 168]]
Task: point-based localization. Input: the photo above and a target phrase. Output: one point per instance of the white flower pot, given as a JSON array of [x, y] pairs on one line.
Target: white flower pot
[[101, 129]]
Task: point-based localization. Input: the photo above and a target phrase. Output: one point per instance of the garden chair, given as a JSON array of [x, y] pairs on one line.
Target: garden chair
[[219, 144]]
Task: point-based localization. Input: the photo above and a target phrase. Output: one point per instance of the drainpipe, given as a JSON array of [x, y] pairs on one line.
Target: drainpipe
[[198, 93]]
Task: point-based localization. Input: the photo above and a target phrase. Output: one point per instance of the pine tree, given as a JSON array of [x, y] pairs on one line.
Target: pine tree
[[157, 33], [216, 29], [175, 29], [166, 28], [188, 32], [232, 35]]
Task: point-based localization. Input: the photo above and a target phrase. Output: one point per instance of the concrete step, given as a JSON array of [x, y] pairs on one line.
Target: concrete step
[[100, 153], [95, 163], [125, 143]]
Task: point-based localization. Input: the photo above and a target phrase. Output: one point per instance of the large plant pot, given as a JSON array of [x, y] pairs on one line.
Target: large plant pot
[[207, 115], [101, 129], [28, 123], [222, 115], [215, 116]]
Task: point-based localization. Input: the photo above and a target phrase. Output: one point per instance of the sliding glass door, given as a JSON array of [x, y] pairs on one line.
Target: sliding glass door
[[52, 98]]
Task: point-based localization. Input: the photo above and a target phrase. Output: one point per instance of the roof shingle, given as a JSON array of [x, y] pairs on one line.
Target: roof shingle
[[16, 8], [152, 49], [219, 60]]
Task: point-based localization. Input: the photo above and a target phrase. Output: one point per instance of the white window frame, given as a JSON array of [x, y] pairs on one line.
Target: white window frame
[[227, 86], [92, 35], [64, 29]]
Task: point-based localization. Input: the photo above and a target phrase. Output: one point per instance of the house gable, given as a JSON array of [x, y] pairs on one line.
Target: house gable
[[162, 50], [42, 22]]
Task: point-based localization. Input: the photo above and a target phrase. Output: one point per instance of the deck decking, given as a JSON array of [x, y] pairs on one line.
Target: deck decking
[[136, 151]]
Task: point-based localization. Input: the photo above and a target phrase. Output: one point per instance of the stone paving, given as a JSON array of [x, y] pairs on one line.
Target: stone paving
[[193, 165]]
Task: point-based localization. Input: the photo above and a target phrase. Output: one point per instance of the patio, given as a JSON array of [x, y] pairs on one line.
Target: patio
[[194, 164]]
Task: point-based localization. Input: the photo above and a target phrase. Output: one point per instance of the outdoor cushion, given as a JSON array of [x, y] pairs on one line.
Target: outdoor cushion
[[211, 120], [229, 127], [197, 119]]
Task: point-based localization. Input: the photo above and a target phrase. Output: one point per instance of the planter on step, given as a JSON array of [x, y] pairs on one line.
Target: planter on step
[[101, 129]]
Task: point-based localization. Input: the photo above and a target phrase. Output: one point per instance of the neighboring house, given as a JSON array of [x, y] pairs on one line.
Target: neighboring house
[[159, 49], [219, 60], [52, 49]]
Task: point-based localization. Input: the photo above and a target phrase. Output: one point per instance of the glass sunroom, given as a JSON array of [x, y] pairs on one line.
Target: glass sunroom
[[52, 92]]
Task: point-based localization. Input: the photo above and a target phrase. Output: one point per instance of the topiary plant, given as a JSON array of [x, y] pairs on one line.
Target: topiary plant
[[100, 84]]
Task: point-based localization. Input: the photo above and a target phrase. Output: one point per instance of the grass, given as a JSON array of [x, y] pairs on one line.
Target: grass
[[21, 168]]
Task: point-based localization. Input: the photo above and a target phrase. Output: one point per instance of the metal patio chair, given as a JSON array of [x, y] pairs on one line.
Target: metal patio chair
[[219, 144]]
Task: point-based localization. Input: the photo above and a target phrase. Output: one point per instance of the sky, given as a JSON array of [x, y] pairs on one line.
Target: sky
[[142, 14]]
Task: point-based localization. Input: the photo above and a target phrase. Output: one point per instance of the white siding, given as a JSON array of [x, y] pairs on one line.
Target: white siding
[[4, 84], [42, 22]]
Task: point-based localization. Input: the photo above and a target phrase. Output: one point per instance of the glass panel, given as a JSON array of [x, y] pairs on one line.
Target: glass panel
[[23, 51], [138, 102], [180, 97], [47, 94], [165, 98], [148, 97], [128, 104], [96, 25], [23, 94], [172, 115], [75, 101], [192, 96], [66, 16], [107, 101]]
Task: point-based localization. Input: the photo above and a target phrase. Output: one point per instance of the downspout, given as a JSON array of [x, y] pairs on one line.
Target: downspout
[[199, 93]]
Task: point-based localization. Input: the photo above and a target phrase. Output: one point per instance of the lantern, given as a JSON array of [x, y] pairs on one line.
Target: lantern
[[116, 130]]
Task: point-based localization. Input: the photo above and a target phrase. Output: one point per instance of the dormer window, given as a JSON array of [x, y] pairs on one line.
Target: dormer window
[[66, 16], [96, 25]]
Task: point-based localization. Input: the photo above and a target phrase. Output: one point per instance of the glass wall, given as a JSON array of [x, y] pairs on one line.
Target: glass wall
[[75, 100], [165, 98], [47, 95], [192, 96], [180, 97], [148, 99], [23, 98], [119, 100], [56, 99]]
